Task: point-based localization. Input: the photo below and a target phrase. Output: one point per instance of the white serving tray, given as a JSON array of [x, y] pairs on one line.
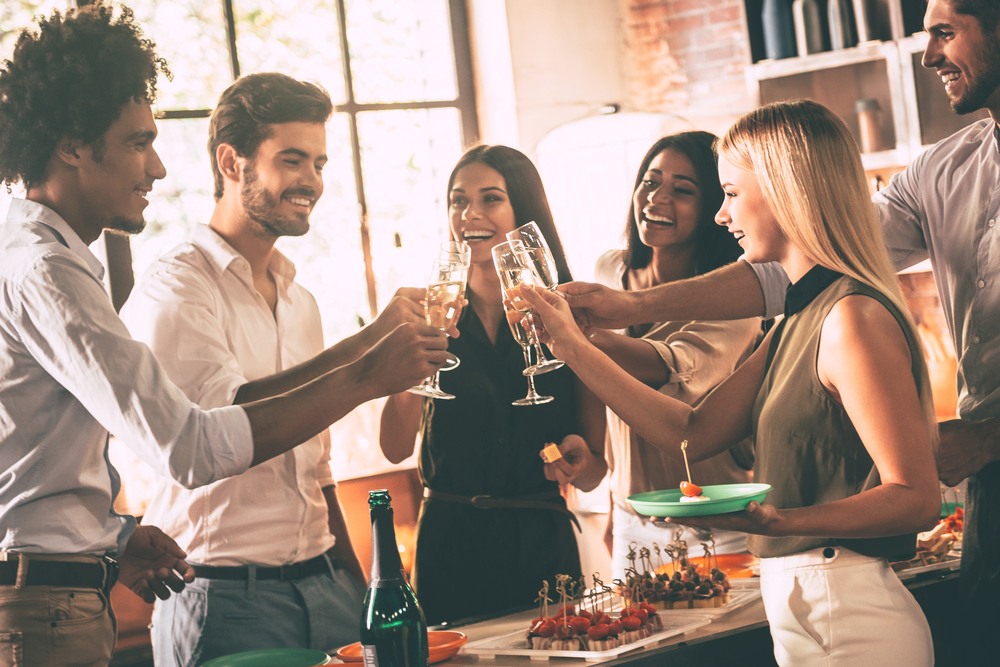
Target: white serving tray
[[739, 596], [951, 562], [514, 643]]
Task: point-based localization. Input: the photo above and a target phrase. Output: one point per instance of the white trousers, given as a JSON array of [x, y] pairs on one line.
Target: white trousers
[[834, 607], [627, 528]]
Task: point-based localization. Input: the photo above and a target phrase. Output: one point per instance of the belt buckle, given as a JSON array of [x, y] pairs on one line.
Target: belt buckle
[[111, 571]]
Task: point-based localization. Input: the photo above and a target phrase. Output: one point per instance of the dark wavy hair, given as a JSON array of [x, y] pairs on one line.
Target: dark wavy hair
[[526, 193], [253, 103], [714, 245], [987, 12], [71, 78]]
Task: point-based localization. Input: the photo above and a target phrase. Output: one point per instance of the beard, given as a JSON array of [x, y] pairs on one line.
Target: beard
[[261, 207], [985, 85], [125, 226]]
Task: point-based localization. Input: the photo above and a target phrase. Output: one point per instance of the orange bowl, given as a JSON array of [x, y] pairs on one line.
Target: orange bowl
[[442, 645]]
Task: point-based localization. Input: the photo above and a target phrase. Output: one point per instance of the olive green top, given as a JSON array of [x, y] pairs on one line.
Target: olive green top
[[807, 448]]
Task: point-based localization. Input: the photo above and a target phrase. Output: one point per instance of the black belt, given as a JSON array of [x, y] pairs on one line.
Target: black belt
[[62, 574], [537, 501], [301, 570]]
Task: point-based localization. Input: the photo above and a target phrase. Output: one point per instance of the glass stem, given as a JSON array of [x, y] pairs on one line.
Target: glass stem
[[526, 350]]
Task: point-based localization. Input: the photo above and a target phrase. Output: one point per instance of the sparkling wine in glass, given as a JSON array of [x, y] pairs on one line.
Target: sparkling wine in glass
[[538, 253], [442, 306], [455, 252], [514, 270], [523, 338]]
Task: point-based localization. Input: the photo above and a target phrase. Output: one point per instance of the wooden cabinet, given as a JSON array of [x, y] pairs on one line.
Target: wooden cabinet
[[913, 110]]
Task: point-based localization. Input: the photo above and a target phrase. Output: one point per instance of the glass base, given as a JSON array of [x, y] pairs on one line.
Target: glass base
[[544, 367], [533, 400], [430, 392]]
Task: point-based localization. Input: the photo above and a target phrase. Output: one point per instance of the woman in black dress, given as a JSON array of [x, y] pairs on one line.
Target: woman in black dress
[[493, 524]]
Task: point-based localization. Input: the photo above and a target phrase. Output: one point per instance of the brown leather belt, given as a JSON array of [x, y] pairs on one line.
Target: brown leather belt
[[61, 574], [292, 572], [536, 501]]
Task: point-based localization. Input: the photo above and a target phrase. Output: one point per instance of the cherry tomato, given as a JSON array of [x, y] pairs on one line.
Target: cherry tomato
[[690, 490]]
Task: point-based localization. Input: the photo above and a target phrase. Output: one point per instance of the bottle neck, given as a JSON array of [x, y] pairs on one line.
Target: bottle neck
[[385, 553]]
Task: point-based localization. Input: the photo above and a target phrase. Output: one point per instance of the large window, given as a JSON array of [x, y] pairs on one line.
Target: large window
[[400, 79]]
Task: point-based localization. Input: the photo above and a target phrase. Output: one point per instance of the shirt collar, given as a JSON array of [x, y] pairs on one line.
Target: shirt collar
[[808, 287], [25, 211], [222, 255]]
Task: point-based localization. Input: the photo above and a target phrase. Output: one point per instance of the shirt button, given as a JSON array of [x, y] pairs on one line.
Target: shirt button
[[973, 390], [992, 222], [976, 340], [981, 284]]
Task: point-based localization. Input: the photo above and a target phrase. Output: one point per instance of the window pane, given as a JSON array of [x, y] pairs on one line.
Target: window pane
[[183, 198], [406, 158], [401, 51], [328, 258], [191, 36], [16, 15], [302, 43]]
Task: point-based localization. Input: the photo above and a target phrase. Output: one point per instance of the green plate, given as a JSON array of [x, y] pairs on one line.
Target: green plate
[[723, 498], [272, 657]]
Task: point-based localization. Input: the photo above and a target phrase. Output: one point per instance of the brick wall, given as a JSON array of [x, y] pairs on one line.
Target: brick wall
[[687, 57]]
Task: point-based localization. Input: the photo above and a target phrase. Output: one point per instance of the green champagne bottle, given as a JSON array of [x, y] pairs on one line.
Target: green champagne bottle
[[393, 629]]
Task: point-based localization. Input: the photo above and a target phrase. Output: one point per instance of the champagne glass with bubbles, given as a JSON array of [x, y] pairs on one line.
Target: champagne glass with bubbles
[[442, 306], [537, 251], [455, 252], [515, 267]]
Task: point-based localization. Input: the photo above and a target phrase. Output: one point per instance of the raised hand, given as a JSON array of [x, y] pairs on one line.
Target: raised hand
[[405, 306], [152, 565], [404, 357], [595, 305], [552, 316]]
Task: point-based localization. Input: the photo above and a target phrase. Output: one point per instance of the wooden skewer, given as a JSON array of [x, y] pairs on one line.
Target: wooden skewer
[[684, 446]]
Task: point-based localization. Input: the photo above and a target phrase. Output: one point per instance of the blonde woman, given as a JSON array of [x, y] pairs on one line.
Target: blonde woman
[[836, 397]]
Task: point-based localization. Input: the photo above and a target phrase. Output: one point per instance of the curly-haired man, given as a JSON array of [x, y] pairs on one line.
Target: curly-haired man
[[76, 128]]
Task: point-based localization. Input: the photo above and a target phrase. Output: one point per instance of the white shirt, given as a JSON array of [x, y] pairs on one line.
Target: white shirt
[[69, 373], [946, 206], [199, 311], [698, 355]]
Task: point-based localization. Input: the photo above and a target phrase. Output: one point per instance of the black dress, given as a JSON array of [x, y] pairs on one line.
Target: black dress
[[470, 561]]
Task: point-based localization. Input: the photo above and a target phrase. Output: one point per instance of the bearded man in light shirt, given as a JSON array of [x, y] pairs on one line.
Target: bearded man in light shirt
[[77, 129], [223, 313]]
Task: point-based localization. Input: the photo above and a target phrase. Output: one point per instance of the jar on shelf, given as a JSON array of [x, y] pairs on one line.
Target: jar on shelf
[[779, 36], [869, 125], [838, 14], [808, 22]]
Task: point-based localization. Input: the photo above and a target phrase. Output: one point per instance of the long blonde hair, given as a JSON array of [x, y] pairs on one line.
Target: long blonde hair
[[810, 173]]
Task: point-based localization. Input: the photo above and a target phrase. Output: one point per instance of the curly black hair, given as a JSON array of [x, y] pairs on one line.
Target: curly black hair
[[71, 78]]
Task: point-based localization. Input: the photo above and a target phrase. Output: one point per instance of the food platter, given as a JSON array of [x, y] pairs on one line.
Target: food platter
[[723, 498], [739, 596], [906, 570], [736, 566], [515, 643]]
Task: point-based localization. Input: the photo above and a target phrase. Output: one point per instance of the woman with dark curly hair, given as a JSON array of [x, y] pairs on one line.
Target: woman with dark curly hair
[[76, 127], [671, 235]]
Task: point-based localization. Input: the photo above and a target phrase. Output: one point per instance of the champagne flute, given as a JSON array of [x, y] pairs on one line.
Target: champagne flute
[[514, 270], [442, 305], [538, 253], [455, 252], [523, 338]]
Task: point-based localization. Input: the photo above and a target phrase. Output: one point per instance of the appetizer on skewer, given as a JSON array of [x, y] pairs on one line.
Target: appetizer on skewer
[[691, 491]]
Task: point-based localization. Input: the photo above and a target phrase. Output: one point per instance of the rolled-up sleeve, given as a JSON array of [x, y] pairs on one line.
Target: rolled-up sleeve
[[67, 323]]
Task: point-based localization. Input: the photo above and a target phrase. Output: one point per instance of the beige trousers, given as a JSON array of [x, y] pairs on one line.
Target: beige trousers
[[44, 625], [836, 608]]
